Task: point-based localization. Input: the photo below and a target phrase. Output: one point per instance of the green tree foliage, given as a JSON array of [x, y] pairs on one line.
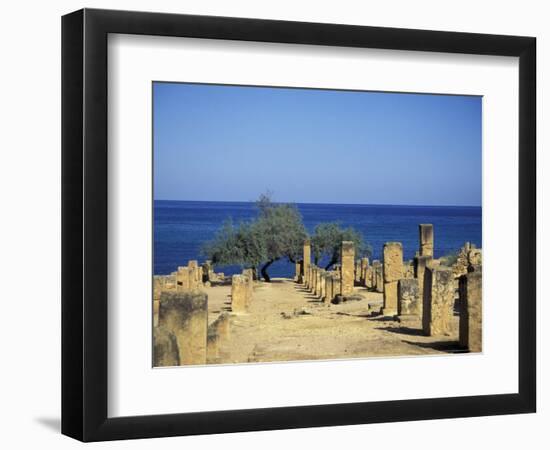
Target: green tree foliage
[[277, 233], [327, 240]]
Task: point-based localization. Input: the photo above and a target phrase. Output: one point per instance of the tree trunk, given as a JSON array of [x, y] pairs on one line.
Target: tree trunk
[[331, 263], [264, 270]]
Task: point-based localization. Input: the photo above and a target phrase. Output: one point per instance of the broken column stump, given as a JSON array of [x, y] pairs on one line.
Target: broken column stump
[[470, 326], [185, 315], [348, 267], [438, 301], [393, 270]]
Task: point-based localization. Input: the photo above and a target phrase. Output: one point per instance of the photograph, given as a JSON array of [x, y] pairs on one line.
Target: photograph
[[299, 224]]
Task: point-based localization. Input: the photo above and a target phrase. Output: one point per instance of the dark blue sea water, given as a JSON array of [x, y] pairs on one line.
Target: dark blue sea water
[[181, 227]]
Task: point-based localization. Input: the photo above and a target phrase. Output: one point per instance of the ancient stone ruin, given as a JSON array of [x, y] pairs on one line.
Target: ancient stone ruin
[[439, 298]]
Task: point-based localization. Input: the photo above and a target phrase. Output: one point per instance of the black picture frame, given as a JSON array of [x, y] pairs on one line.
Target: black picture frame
[[84, 224]]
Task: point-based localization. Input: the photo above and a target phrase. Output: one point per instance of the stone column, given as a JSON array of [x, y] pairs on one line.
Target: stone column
[[364, 270], [470, 325], [426, 235], [194, 274], [357, 271], [323, 284], [329, 294], [185, 315], [408, 298], [249, 274], [348, 264], [298, 274], [377, 282], [393, 270], [239, 294], [438, 301], [420, 265], [307, 256], [182, 279]]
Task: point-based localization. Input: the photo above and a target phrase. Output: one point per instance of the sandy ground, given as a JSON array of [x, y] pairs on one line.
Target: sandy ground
[[286, 322]]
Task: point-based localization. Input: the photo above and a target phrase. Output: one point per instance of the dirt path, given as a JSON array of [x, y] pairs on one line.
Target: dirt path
[[285, 322]]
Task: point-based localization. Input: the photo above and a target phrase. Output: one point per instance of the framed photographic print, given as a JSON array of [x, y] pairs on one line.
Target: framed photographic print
[[272, 224]]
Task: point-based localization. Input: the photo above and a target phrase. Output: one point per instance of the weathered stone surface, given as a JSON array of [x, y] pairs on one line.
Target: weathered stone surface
[[323, 284], [364, 271], [377, 277], [348, 267], [438, 301], [470, 327], [299, 271], [426, 238], [306, 261], [185, 314], [368, 277], [318, 282], [357, 271], [156, 307], [182, 279], [336, 286], [329, 286], [165, 348], [393, 261], [390, 298], [195, 274], [408, 297], [249, 274], [420, 265], [239, 294], [475, 257], [218, 331]]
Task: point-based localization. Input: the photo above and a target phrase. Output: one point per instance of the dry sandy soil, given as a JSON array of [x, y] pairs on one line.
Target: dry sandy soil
[[285, 322]]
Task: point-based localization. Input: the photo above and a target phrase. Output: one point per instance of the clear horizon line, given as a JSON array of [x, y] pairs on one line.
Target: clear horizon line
[[322, 203]]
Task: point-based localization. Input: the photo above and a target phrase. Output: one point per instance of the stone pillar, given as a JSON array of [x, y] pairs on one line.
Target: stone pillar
[[420, 265], [377, 282], [314, 270], [438, 301], [364, 269], [239, 294], [357, 271], [329, 294], [426, 238], [194, 274], [298, 274], [317, 281], [182, 279], [393, 270], [307, 256], [156, 307], [323, 284], [249, 274], [348, 264], [470, 327], [185, 315], [408, 298]]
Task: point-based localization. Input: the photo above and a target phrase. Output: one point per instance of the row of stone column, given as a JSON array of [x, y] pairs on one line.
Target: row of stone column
[[328, 284]]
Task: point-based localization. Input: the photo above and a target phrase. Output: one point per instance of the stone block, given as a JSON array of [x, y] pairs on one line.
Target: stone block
[[393, 261], [438, 301], [182, 279], [239, 294], [364, 271], [348, 267], [185, 314], [408, 298], [390, 299], [470, 301], [426, 239], [306, 256]]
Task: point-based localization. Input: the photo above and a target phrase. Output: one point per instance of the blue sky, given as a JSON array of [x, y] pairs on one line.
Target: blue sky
[[231, 143]]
